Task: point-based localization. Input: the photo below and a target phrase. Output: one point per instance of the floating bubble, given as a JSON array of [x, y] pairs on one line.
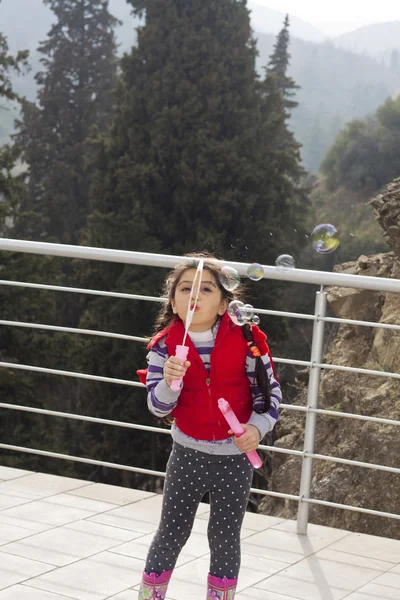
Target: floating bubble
[[229, 278], [249, 313], [285, 262], [236, 312], [256, 320], [255, 272], [325, 238]]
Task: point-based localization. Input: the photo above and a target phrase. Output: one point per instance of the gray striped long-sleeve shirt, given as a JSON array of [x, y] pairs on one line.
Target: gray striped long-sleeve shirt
[[161, 400]]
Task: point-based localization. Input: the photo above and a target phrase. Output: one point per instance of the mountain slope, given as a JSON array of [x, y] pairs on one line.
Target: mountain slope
[[376, 40], [336, 85], [27, 22], [266, 20], [34, 19]]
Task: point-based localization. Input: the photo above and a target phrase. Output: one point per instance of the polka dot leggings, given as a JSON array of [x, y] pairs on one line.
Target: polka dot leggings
[[190, 474]]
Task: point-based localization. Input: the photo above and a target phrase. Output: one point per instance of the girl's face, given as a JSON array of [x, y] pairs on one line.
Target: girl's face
[[210, 302]]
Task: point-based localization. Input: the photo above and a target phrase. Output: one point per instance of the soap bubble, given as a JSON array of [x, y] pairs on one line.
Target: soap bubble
[[236, 312], [255, 272], [325, 238], [249, 312], [285, 262], [256, 320], [229, 278]]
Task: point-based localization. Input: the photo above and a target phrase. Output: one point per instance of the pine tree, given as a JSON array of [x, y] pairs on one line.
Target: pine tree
[[15, 343], [10, 64], [75, 99], [9, 185], [277, 91], [193, 161], [192, 154], [75, 95], [279, 64]]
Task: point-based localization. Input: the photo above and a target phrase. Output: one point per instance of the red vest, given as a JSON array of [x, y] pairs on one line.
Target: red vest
[[197, 413]]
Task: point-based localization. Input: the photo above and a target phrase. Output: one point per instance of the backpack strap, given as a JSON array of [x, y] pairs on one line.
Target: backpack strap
[[142, 375], [154, 340]]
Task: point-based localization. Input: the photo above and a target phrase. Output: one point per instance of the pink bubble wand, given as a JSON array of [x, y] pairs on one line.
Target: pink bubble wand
[[238, 430], [181, 351]]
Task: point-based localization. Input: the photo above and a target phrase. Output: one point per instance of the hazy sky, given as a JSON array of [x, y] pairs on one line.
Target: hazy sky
[[338, 16]]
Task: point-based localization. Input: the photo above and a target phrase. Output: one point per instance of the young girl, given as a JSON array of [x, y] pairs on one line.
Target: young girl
[[224, 360]]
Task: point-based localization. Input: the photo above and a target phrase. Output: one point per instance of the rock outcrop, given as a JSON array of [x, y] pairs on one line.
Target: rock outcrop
[[368, 348], [387, 212]]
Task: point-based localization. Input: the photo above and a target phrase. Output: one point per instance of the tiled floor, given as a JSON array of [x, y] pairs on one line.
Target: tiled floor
[[64, 538]]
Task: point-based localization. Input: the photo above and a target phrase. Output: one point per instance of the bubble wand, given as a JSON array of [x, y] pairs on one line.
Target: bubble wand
[[238, 430], [181, 351]]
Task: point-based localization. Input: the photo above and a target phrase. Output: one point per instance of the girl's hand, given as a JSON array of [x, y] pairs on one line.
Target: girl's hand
[[249, 440], [174, 369]]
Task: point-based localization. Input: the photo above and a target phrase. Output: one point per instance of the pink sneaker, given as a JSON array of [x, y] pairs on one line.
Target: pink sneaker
[[221, 589], [153, 586]]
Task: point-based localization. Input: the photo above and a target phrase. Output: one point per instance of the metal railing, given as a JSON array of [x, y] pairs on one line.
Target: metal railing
[[315, 363]]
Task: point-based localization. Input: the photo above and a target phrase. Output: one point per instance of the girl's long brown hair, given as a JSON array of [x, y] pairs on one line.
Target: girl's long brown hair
[[166, 314]]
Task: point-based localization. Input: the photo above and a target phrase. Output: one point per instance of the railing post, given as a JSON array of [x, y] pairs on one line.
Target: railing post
[[312, 402]]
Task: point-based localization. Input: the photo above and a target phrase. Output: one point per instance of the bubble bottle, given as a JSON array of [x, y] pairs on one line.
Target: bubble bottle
[[181, 351]]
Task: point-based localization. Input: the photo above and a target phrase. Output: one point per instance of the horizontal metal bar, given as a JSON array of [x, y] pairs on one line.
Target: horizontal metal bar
[[156, 430], [335, 413], [55, 413], [308, 317], [119, 336], [169, 261], [359, 509], [292, 361], [353, 463], [360, 323], [160, 430], [146, 340], [76, 417], [306, 363], [60, 288], [101, 463], [275, 494], [279, 450], [88, 461], [279, 313], [357, 370], [344, 461], [294, 407], [70, 374], [354, 322]]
